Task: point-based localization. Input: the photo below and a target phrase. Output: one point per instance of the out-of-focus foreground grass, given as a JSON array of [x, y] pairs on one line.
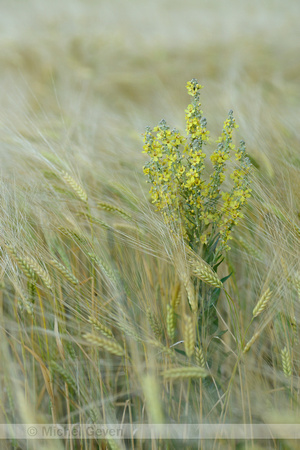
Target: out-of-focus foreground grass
[[79, 83]]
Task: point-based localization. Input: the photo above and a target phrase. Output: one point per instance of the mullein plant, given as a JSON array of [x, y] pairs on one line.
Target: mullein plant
[[180, 187], [198, 201]]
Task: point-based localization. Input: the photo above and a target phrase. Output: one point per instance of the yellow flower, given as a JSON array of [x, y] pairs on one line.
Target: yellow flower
[[203, 239], [175, 170], [181, 170], [193, 87]]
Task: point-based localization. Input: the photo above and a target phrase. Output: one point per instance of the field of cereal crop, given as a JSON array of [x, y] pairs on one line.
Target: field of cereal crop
[[150, 261]]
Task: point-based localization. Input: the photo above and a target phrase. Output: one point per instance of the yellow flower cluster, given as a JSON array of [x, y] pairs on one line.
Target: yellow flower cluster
[[180, 188], [234, 201]]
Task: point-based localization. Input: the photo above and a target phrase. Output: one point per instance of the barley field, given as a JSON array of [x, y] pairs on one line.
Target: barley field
[[149, 268]]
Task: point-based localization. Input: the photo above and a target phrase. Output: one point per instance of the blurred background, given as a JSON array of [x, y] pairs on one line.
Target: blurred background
[[86, 77]]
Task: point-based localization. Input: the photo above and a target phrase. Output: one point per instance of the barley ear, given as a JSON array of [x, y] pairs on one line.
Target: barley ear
[[252, 251], [184, 373], [170, 322], [64, 374], [23, 265], [163, 349], [154, 324], [250, 343], [205, 273], [189, 336], [79, 191], [45, 277], [262, 303], [103, 266], [190, 292], [296, 281], [176, 296], [107, 344], [100, 327], [112, 208], [286, 362], [199, 356], [64, 271]]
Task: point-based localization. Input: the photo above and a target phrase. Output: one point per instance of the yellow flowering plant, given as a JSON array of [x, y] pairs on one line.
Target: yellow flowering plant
[[182, 188], [196, 197]]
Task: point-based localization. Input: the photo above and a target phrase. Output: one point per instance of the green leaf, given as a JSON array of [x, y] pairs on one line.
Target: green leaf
[[214, 297], [226, 278], [221, 334]]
